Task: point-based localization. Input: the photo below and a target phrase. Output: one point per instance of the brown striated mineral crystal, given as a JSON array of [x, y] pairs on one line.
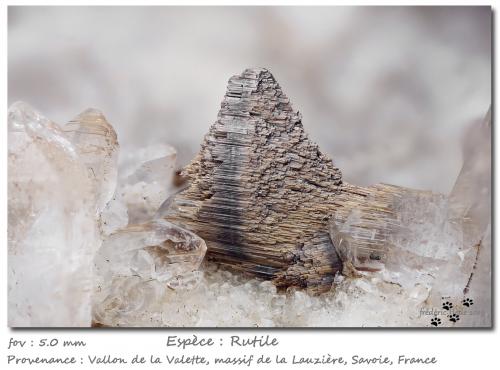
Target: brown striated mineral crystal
[[261, 192]]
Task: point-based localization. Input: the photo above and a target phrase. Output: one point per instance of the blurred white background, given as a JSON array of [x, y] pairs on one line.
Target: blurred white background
[[386, 92]]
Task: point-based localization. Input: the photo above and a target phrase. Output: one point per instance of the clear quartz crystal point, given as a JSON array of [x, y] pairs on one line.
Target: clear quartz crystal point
[[52, 229], [97, 145]]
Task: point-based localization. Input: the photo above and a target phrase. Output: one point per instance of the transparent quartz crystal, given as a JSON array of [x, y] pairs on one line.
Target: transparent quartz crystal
[[145, 181], [114, 216], [425, 245], [470, 199], [52, 229], [97, 145]]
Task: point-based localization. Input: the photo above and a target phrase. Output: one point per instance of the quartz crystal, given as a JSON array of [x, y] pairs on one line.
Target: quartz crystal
[[470, 199], [427, 248], [470, 207], [147, 184], [114, 216], [145, 181], [52, 227], [155, 251], [97, 144], [425, 257]]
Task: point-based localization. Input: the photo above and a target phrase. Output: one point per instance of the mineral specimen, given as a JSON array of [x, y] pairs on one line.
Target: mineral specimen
[[267, 202], [260, 191], [52, 227], [261, 194]]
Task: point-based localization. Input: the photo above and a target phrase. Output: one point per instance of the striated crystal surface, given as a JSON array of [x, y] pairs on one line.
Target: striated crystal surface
[[52, 227], [97, 145]]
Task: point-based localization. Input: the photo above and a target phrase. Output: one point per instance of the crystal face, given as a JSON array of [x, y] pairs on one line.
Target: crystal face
[[52, 225]]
